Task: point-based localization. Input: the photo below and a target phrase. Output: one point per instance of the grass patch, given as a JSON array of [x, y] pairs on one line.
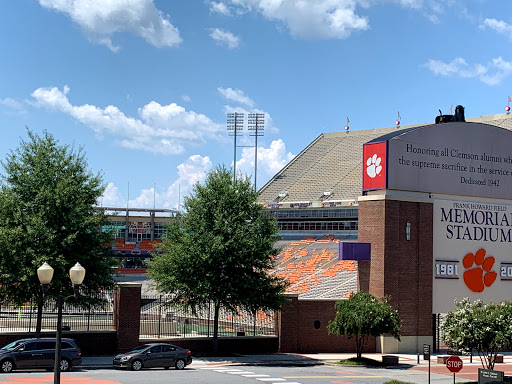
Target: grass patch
[[361, 361], [397, 382]]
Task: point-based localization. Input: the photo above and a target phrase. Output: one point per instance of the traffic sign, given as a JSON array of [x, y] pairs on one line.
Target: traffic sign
[[426, 352], [454, 364]]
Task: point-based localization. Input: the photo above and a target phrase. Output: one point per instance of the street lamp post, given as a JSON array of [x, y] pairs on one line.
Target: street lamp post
[[45, 274]]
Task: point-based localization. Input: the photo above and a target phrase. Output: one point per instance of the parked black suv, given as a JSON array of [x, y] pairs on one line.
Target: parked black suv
[[38, 353]]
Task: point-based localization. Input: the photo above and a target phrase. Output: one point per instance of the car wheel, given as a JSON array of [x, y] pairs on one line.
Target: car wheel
[[136, 365], [7, 366], [65, 365], [180, 364]]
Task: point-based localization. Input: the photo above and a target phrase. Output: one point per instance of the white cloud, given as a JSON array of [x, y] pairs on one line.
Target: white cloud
[[164, 129], [417, 4], [499, 26], [219, 7], [270, 161], [225, 37], [236, 95], [491, 73], [111, 197], [100, 19], [319, 19], [193, 171], [14, 105], [333, 19]]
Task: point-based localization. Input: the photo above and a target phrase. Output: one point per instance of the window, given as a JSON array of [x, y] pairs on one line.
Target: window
[[66, 345], [46, 345], [156, 349], [168, 348], [30, 347]]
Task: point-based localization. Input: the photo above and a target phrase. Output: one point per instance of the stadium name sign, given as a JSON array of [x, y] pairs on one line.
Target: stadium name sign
[[470, 221], [455, 158], [471, 252]]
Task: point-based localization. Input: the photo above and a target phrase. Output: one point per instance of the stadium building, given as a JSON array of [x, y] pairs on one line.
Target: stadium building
[[420, 213], [137, 234]]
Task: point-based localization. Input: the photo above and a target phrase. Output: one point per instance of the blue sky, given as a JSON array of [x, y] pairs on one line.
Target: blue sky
[[144, 86]]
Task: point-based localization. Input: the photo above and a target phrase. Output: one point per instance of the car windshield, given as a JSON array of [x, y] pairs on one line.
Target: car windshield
[[140, 348], [12, 346]]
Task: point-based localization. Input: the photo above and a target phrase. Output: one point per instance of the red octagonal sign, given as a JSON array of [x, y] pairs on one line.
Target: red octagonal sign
[[454, 364]]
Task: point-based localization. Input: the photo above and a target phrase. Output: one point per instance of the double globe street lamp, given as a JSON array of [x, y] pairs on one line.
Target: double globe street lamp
[[45, 275]]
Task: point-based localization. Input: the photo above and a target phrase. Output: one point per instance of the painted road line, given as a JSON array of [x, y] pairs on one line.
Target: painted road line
[[255, 375], [240, 373], [272, 379]]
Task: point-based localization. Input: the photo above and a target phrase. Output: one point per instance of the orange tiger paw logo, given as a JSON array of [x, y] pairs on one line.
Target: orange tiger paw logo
[[480, 274]]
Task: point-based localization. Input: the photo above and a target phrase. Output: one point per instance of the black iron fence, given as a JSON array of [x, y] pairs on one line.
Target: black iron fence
[[159, 318], [85, 317]]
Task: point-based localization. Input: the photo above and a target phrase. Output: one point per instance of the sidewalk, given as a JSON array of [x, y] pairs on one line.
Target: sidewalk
[[406, 361]]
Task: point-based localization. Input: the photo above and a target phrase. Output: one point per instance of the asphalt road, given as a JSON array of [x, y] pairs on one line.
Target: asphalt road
[[240, 374]]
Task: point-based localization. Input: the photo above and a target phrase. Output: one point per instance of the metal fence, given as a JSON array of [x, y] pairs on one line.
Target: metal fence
[[159, 318], [95, 317]]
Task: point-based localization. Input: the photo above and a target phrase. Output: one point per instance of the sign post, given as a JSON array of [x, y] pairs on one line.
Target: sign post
[[454, 364], [426, 356]]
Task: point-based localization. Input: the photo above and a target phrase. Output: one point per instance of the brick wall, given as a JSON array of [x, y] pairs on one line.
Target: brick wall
[[227, 345], [400, 268], [91, 343], [303, 329]]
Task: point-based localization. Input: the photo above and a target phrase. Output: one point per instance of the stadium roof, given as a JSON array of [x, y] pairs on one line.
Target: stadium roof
[[330, 168]]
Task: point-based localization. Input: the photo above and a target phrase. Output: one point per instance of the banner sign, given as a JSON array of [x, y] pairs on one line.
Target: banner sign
[[457, 158], [472, 252]]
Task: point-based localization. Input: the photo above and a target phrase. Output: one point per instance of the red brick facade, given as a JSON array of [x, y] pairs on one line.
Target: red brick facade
[[401, 268], [127, 316], [302, 328]]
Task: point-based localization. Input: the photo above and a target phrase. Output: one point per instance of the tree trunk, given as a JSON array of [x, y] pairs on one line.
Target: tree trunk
[[359, 351], [216, 328]]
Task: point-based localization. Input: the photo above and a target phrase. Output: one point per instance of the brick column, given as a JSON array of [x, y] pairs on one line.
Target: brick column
[[363, 276], [401, 268], [287, 325], [127, 315]]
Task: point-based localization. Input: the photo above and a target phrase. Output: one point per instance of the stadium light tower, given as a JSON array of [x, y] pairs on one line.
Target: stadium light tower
[[256, 123], [235, 125]]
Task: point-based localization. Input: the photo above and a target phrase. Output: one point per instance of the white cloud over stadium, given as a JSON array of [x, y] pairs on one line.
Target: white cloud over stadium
[[164, 129], [100, 20]]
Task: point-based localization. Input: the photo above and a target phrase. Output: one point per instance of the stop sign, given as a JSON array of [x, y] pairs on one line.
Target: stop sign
[[454, 364]]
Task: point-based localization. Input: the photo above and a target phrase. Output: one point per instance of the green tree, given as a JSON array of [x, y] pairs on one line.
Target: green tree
[[362, 315], [485, 328], [220, 251], [47, 198]]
